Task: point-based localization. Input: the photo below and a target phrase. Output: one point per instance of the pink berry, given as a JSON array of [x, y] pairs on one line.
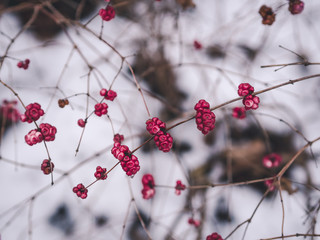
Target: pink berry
[[118, 138], [47, 166], [33, 113], [271, 160], [101, 173], [214, 236], [81, 123], [148, 190], [205, 119], [179, 187], [239, 112], [197, 45], [109, 95], [101, 109], [154, 125], [107, 13], [33, 137], [245, 89], [81, 191], [164, 141], [48, 131], [196, 223], [24, 64], [251, 102], [296, 6]]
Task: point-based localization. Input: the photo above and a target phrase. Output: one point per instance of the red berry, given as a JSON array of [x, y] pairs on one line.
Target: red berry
[[271, 160], [239, 112], [48, 131], [154, 125], [33, 113], [251, 102], [148, 190], [164, 141], [47, 166], [109, 95], [81, 123], [101, 173], [101, 109], [270, 184], [118, 138], [33, 137], [23, 64], [107, 13], [296, 6], [214, 236], [245, 89], [197, 45], [81, 191], [179, 187], [205, 119]]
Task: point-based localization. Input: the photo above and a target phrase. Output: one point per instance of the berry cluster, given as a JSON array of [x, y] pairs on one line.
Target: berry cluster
[[128, 161], [81, 191], [197, 45], [196, 223], [101, 109], [117, 138], [45, 132], [47, 166], [271, 160], [267, 14], [148, 190], [24, 64], [107, 13], [249, 101], [109, 95], [214, 236], [239, 112], [296, 6], [63, 102], [179, 187], [33, 113], [101, 173], [163, 140], [205, 119], [9, 112]]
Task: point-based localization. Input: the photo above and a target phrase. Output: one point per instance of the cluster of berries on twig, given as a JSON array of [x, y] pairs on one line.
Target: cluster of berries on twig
[[101, 109], [47, 167], [163, 140], [249, 101], [205, 118], [239, 112], [179, 187], [128, 161], [214, 236], [267, 14], [63, 102], [101, 173], [33, 113], [81, 191], [107, 13], [148, 190], [24, 64], [45, 132]]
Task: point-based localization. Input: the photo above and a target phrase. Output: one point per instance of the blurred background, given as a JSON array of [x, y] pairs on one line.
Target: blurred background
[[161, 57]]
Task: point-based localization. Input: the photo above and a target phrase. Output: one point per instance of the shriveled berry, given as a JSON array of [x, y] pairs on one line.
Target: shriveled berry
[[63, 102], [296, 6], [47, 166], [267, 14]]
